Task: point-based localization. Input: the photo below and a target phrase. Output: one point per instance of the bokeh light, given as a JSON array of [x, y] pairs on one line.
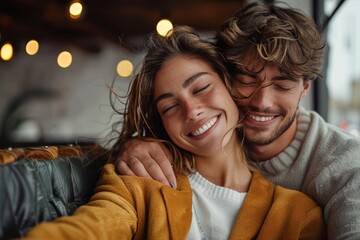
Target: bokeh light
[[64, 59], [75, 10], [124, 68], [7, 51], [163, 27], [32, 47]]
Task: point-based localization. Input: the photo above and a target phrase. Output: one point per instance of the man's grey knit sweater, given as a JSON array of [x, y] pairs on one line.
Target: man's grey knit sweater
[[323, 162]]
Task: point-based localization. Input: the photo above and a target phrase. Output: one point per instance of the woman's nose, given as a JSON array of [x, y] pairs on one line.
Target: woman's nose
[[192, 109]]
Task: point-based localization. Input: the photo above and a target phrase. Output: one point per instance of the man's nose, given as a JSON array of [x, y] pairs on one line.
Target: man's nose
[[262, 97]]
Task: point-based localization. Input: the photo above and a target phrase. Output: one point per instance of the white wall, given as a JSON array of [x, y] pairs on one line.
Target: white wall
[[81, 110]]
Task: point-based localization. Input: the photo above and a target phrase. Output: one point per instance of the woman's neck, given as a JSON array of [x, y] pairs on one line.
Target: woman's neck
[[227, 168]]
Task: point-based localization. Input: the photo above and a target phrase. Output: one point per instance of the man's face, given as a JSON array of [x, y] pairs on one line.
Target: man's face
[[268, 102]]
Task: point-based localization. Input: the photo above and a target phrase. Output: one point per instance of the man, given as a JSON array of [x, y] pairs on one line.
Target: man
[[274, 54]]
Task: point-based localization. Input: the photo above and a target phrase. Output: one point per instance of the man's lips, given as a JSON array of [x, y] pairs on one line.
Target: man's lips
[[204, 127]]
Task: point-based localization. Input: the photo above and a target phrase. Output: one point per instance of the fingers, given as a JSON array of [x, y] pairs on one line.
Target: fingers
[[123, 169], [146, 167], [131, 167], [146, 159], [165, 167], [155, 172]]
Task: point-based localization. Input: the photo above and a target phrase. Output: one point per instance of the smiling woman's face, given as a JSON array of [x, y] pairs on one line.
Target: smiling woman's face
[[197, 110]]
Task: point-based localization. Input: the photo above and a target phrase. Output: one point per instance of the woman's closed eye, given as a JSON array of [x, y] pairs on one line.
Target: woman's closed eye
[[201, 88], [169, 107]]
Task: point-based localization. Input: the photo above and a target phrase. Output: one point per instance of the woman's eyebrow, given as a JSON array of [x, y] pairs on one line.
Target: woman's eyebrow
[[192, 79], [163, 96], [186, 84]]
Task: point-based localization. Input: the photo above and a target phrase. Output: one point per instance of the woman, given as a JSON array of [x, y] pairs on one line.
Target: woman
[[181, 96]]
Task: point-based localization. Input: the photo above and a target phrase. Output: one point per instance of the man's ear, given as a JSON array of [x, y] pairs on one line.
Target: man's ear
[[307, 86]]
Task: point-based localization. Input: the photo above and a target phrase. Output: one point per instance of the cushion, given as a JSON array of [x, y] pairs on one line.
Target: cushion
[[43, 183]]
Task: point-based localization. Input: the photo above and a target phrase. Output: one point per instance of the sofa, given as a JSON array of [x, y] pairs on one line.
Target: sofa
[[43, 183]]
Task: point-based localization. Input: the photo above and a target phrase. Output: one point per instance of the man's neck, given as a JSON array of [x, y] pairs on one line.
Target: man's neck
[[266, 152]]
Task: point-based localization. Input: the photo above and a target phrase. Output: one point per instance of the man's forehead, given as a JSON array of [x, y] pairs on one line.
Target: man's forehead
[[268, 72], [257, 68], [252, 61]]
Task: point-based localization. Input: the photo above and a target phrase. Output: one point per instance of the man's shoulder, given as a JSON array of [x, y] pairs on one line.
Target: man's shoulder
[[324, 130], [327, 141]]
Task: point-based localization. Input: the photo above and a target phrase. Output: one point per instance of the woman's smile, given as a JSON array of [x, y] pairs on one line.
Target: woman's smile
[[205, 127]]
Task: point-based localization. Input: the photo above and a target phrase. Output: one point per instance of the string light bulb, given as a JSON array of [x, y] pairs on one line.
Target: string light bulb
[[7, 51], [64, 59], [163, 27], [32, 47], [124, 68], [75, 10]]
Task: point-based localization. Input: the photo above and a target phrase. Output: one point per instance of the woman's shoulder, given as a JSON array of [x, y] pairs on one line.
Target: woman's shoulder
[[135, 183], [293, 198], [280, 197], [301, 212]]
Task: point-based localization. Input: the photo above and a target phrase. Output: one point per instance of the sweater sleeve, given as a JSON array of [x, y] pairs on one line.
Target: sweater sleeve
[[333, 175], [324, 163], [108, 215], [339, 190]]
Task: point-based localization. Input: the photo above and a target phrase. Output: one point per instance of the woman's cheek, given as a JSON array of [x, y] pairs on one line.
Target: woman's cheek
[[167, 124]]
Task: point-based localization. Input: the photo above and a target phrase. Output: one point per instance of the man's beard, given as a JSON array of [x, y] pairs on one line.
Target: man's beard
[[273, 135]]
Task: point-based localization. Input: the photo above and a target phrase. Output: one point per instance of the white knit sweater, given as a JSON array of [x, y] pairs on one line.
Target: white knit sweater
[[215, 209], [323, 162]]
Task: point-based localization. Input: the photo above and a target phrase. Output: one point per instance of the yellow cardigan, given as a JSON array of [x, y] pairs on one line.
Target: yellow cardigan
[[125, 207]]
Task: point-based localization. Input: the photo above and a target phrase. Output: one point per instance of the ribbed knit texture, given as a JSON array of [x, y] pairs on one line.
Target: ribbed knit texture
[[285, 159], [215, 208], [324, 162]]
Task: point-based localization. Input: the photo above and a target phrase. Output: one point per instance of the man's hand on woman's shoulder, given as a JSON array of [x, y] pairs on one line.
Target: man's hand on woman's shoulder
[[146, 159]]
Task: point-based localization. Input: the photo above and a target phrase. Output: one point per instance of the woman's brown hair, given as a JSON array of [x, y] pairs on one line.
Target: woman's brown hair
[[140, 117]]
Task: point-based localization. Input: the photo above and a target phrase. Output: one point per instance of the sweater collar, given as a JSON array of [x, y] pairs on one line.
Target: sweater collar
[[249, 220], [286, 158]]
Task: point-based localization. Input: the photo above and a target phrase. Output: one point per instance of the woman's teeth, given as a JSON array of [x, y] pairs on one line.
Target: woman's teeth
[[205, 127]]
